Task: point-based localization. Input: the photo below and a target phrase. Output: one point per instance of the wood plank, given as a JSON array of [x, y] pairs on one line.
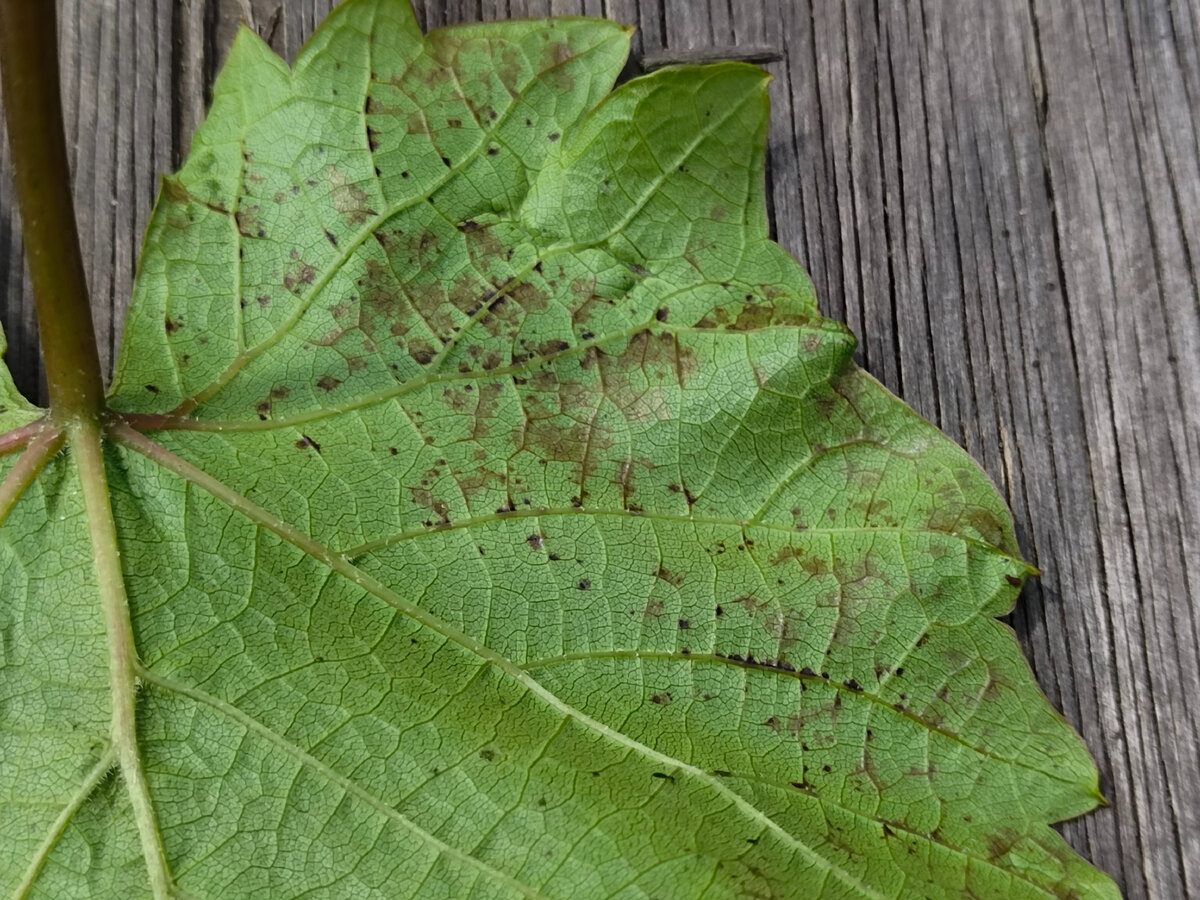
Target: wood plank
[[1002, 200]]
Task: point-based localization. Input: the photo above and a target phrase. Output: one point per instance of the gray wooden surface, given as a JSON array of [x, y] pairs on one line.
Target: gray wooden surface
[[1001, 197]]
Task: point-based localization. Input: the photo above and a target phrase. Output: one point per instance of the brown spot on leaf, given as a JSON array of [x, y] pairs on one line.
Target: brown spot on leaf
[[421, 351], [348, 198], [668, 576], [298, 276]]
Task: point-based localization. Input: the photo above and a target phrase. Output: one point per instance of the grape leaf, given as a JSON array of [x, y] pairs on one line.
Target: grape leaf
[[485, 509]]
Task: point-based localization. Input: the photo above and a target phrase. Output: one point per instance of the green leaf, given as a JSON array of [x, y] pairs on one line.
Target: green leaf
[[486, 510]]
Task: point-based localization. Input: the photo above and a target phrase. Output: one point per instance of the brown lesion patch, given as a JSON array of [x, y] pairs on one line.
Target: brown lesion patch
[[422, 351], [348, 198], [785, 626], [530, 297], [299, 275], [750, 603], [489, 400], [248, 224], [481, 480], [670, 577], [425, 499], [812, 563], [638, 380], [659, 354]]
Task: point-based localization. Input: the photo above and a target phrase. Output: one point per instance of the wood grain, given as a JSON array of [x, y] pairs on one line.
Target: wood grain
[[1001, 198]]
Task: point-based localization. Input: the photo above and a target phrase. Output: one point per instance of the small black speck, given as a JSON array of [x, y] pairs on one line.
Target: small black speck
[[585, 584]]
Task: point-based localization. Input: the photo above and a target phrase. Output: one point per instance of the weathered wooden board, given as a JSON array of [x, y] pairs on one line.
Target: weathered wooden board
[[1002, 198]]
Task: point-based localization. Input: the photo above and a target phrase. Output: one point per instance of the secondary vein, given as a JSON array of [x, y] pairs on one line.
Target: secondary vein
[[26, 469], [350, 787], [95, 776]]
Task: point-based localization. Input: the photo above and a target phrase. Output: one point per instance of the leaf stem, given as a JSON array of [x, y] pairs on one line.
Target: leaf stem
[[33, 108], [85, 442]]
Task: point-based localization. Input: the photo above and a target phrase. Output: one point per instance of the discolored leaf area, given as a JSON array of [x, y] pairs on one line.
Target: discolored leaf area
[[497, 516]]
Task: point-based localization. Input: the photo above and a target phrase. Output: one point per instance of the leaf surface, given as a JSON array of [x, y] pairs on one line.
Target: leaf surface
[[497, 516]]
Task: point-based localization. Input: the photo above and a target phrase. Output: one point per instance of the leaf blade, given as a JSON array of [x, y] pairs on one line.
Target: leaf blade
[[536, 531]]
